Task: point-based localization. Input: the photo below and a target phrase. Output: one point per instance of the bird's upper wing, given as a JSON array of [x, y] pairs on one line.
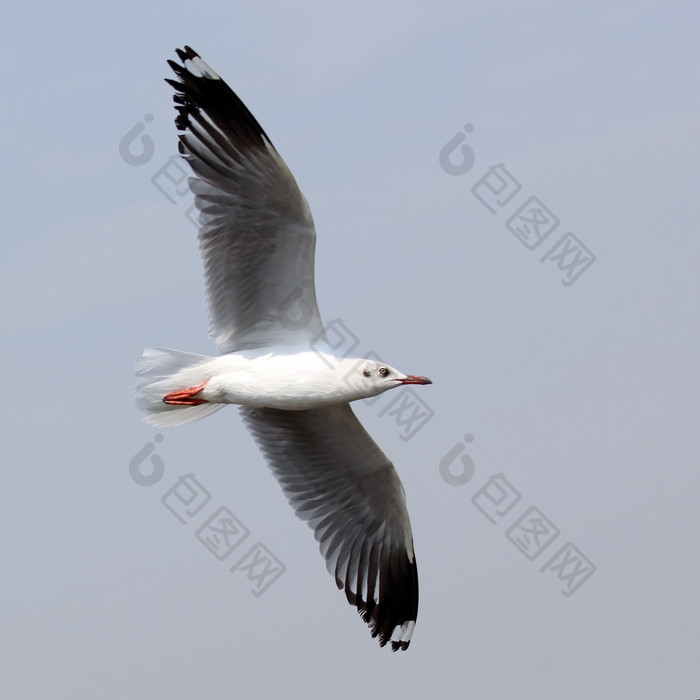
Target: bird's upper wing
[[345, 487], [256, 234]]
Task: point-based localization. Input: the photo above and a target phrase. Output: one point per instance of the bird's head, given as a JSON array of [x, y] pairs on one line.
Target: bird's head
[[377, 377]]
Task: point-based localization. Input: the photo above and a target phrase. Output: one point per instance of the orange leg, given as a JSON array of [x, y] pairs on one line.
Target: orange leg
[[185, 397]]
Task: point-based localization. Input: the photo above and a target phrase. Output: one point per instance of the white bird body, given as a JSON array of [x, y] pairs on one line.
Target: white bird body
[[257, 241], [293, 380], [290, 378]]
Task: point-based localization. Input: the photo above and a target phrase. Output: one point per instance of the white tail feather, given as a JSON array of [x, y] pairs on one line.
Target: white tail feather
[[160, 371]]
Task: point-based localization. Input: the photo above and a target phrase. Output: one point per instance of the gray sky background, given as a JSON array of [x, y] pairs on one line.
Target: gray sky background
[[583, 397]]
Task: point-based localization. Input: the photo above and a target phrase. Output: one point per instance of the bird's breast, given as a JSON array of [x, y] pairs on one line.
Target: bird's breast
[[286, 381]]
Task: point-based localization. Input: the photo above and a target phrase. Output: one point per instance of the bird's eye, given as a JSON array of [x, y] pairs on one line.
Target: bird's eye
[[383, 371]]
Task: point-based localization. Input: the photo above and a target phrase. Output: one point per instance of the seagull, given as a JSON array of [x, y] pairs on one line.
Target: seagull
[[257, 242]]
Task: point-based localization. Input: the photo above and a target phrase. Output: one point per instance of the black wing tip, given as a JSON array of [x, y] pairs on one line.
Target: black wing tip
[[396, 611], [384, 634], [186, 53], [400, 646], [199, 88]]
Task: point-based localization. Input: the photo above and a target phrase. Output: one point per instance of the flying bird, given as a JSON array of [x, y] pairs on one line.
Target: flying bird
[[257, 242]]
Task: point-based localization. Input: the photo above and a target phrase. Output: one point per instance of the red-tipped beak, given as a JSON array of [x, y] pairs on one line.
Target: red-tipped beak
[[415, 379]]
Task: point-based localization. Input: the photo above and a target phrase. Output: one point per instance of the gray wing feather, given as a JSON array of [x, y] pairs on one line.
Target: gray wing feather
[[347, 490], [257, 236]]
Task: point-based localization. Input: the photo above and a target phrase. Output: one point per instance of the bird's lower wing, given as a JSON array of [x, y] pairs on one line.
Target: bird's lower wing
[[345, 487]]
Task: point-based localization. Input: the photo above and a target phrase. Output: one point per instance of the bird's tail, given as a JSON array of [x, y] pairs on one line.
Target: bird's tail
[[159, 372]]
